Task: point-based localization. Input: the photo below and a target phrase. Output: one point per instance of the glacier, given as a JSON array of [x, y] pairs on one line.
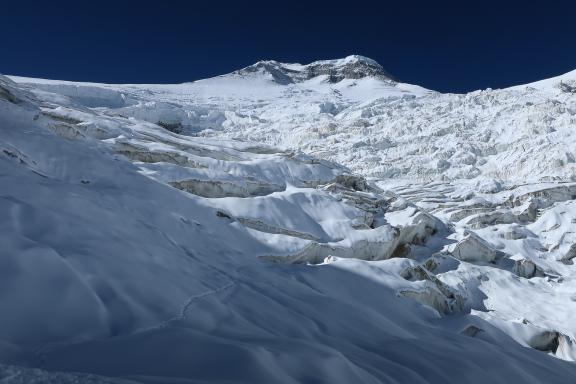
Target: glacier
[[287, 223]]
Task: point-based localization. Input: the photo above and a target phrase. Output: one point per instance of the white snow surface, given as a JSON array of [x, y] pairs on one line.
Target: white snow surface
[[287, 223]]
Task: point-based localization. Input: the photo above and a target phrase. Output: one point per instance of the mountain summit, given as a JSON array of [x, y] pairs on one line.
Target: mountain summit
[[350, 67]]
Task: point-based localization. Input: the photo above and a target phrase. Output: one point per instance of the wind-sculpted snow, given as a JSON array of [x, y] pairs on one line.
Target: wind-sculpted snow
[[287, 223]]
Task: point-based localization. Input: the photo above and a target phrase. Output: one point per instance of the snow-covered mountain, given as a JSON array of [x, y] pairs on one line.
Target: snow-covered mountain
[[287, 223], [333, 71]]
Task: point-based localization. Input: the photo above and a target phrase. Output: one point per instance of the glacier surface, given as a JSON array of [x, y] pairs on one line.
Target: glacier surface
[[287, 223]]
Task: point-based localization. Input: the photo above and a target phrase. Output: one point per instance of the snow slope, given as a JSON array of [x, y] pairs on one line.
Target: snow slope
[[180, 234], [367, 121]]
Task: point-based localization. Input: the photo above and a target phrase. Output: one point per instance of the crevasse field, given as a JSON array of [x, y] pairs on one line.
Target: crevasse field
[[287, 223]]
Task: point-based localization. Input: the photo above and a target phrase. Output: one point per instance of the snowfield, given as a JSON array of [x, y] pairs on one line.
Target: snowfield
[[287, 223]]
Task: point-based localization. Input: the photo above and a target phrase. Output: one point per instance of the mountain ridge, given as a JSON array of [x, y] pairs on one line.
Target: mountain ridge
[[374, 69], [350, 67]]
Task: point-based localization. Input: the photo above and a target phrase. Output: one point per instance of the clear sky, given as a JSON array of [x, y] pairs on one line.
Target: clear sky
[[451, 46]]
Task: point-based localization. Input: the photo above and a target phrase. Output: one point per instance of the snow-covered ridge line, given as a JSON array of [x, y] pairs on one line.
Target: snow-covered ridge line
[[351, 67]]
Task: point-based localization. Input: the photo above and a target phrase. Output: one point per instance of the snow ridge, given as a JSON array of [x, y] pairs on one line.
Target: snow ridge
[[351, 67]]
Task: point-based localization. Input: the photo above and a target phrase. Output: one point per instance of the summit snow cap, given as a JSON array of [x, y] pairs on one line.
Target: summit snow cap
[[350, 67], [353, 59]]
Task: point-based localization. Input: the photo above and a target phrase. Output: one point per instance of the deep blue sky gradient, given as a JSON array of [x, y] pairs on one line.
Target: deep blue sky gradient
[[451, 46]]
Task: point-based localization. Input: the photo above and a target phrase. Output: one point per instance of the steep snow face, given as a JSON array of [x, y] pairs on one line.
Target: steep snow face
[[292, 223]]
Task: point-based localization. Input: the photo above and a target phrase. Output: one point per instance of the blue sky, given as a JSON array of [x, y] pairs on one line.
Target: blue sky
[[444, 45]]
